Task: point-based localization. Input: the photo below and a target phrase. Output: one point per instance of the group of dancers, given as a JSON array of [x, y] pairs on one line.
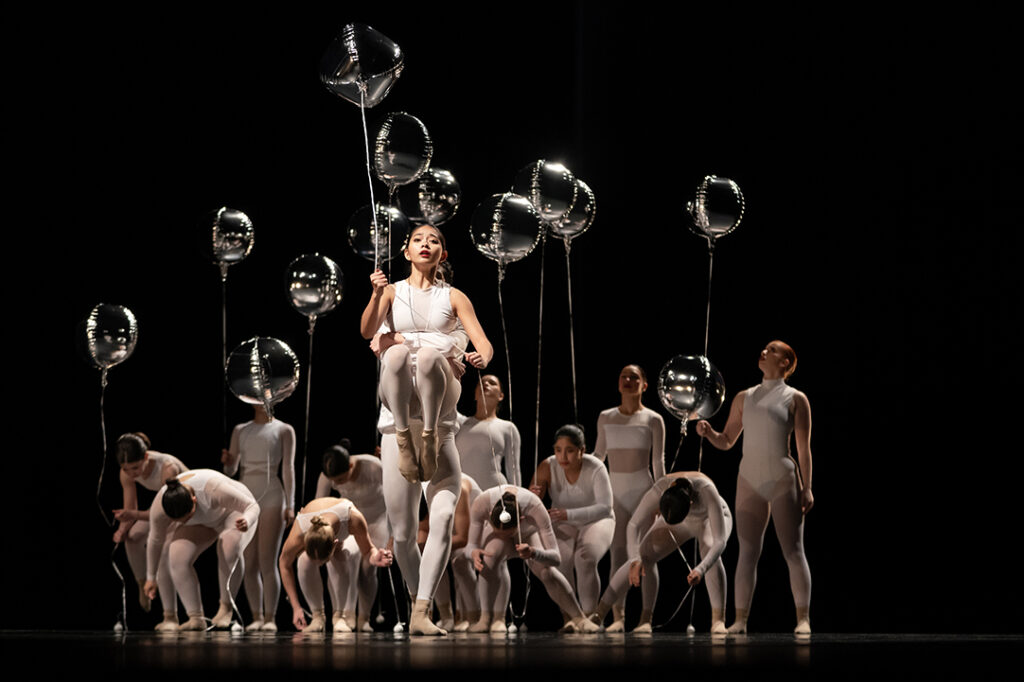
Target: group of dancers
[[446, 495]]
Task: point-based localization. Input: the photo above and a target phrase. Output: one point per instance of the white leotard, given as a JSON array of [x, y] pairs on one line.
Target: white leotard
[[631, 442], [587, 500], [484, 445], [767, 425], [261, 453], [341, 510], [424, 317], [154, 481]]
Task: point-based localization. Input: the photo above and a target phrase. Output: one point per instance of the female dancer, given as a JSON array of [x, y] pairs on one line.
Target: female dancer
[[357, 478], [770, 484], [501, 517], [149, 469], [690, 507], [417, 381], [260, 448], [191, 512], [484, 440], [632, 438], [581, 511], [315, 539]]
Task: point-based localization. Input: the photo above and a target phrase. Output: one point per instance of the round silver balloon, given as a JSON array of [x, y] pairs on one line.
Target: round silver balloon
[[314, 284], [231, 235], [690, 387], [403, 149], [577, 220], [108, 335], [505, 228], [550, 187], [717, 208], [390, 232], [439, 195], [262, 371], [361, 64]]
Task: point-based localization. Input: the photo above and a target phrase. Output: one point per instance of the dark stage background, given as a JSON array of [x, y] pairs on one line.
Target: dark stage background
[[878, 152]]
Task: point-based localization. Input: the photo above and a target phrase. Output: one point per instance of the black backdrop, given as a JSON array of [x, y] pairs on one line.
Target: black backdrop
[[877, 151]]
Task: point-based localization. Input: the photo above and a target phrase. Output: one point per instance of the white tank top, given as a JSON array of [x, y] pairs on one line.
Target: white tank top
[[424, 317], [155, 480]]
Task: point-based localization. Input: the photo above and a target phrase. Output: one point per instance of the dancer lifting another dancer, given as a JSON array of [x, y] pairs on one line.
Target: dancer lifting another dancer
[[260, 449], [678, 507], [581, 511], [191, 512], [770, 483], [148, 468], [320, 529], [632, 438], [417, 380]]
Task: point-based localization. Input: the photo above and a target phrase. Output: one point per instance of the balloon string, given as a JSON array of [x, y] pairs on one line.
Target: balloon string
[[572, 337], [224, 355], [540, 336], [123, 619], [688, 591], [682, 437], [103, 462], [504, 335], [707, 317], [305, 432], [369, 176]]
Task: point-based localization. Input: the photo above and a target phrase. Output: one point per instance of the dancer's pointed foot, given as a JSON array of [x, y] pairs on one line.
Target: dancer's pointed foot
[[428, 454], [144, 601], [407, 461]]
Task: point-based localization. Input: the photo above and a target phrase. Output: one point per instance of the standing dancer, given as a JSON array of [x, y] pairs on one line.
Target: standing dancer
[[770, 483], [191, 512], [261, 448], [581, 511], [357, 478], [149, 469], [500, 519], [316, 539], [485, 441], [632, 438], [678, 507], [416, 378]]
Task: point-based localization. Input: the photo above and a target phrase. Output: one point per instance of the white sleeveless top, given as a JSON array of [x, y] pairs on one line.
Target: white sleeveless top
[[424, 317], [341, 510], [155, 480]]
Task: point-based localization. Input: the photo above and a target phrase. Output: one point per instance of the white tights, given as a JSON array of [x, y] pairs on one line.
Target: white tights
[[188, 542], [135, 549], [262, 580], [581, 547], [423, 376], [752, 514]]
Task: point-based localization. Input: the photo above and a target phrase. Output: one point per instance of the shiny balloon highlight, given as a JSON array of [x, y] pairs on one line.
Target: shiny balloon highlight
[[315, 284], [380, 242], [690, 387], [361, 64], [403, 149], [550, 187], [262, 371], [717, 207], [579, 217], [505, 228], [107, 337]]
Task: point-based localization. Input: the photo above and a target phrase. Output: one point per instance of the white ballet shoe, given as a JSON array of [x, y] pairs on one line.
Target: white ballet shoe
[[318, 623], [363, 625], [803, 627], [585, 626], [269, 626], [718, 628], [254, 626], [428, 454], [737, 628], [341, 625], [498, 627], [419, 620], [168, 624], [223, 617], [408, 464], [616, 626], [643, 628], [194, 623], [461, 626]]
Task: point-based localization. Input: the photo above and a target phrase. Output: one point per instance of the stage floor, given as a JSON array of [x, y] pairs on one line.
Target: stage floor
[[763, 657]]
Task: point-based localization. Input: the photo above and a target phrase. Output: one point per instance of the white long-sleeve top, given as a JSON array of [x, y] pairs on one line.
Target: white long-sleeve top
[[709, 509], [262, 450], [533, 518], [587, 500], [216, 497], [484, 445], [631, 442]]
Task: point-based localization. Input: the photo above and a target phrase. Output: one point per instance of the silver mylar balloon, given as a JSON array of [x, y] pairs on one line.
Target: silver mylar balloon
[[262, 371], [231, 237], [550, 187], [314, 284], [717, 208], [390, 222], [361, 59], [690, 387], [108, 336], [577, 220], [403, 149], [505, 228], [439, 195]]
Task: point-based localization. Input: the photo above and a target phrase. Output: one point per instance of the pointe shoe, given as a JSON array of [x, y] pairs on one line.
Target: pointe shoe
[[341, 625], [168, 624], [428, 454], [255, 625], [616, 626], [803, 627], [144, 601], [408, 465], [318, 623], [194, 623], [419, 620], [585, 626], [363, 625], [223, 617], [737, 628]]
